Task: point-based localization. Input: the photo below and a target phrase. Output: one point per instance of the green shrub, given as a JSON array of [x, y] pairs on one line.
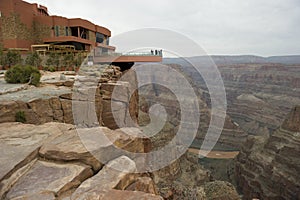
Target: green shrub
[[68, 60], [33, 59], [20, 116], [53, 60], [12, 58], [36, 77], [23, 74], [78, 59], [49, 68]]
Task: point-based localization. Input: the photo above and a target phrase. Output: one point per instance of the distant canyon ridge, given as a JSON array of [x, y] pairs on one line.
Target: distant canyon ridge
[[260, 91]]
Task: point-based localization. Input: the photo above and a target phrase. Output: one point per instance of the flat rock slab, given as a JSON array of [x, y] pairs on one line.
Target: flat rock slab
[[19, 143], [45, 92], [71, 147], [47, 178], [6, 86], [93, 146], [50, 161], [38, 196]]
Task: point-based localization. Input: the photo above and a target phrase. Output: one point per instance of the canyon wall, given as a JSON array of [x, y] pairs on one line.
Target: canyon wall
[[232, 136], [259, 96], [268, 166]]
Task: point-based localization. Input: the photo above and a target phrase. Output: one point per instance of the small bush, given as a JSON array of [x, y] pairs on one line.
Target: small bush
[[78, 59], [36, 77], [33, 59], [12, 58], [23, 74], [53, 60], [68, 60], [50, 68], [20, 116]]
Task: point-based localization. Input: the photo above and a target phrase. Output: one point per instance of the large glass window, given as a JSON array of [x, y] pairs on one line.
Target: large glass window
[[74, 31], [100, 38], [56, 31], [84, 33], [67, 31]]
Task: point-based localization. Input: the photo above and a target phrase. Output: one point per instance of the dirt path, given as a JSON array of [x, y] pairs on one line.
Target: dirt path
[[215, 154]]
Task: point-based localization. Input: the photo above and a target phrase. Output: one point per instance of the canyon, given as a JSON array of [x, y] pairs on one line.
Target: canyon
[[51, 155], [268, 165], [262, 98], [257, 149]]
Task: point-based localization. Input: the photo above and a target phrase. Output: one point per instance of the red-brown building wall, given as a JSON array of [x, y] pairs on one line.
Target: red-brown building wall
[[30, 20]]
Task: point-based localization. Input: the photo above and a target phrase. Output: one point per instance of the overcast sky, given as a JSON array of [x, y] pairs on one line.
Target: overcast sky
[[228, 27]]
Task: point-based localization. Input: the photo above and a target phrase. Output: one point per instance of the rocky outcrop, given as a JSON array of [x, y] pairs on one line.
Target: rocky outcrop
[[268, 166], [105, 180], [55, 161], [93, 104], [100, 186], [47, 108]]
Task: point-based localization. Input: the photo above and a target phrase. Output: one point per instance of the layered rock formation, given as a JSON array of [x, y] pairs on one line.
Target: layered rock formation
[[63, 161], [183, 178], [51, 161], [259, 96], [54, 103], [268, 166]]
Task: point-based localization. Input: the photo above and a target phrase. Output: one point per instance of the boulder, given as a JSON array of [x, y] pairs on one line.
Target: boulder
[[107, 179]]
